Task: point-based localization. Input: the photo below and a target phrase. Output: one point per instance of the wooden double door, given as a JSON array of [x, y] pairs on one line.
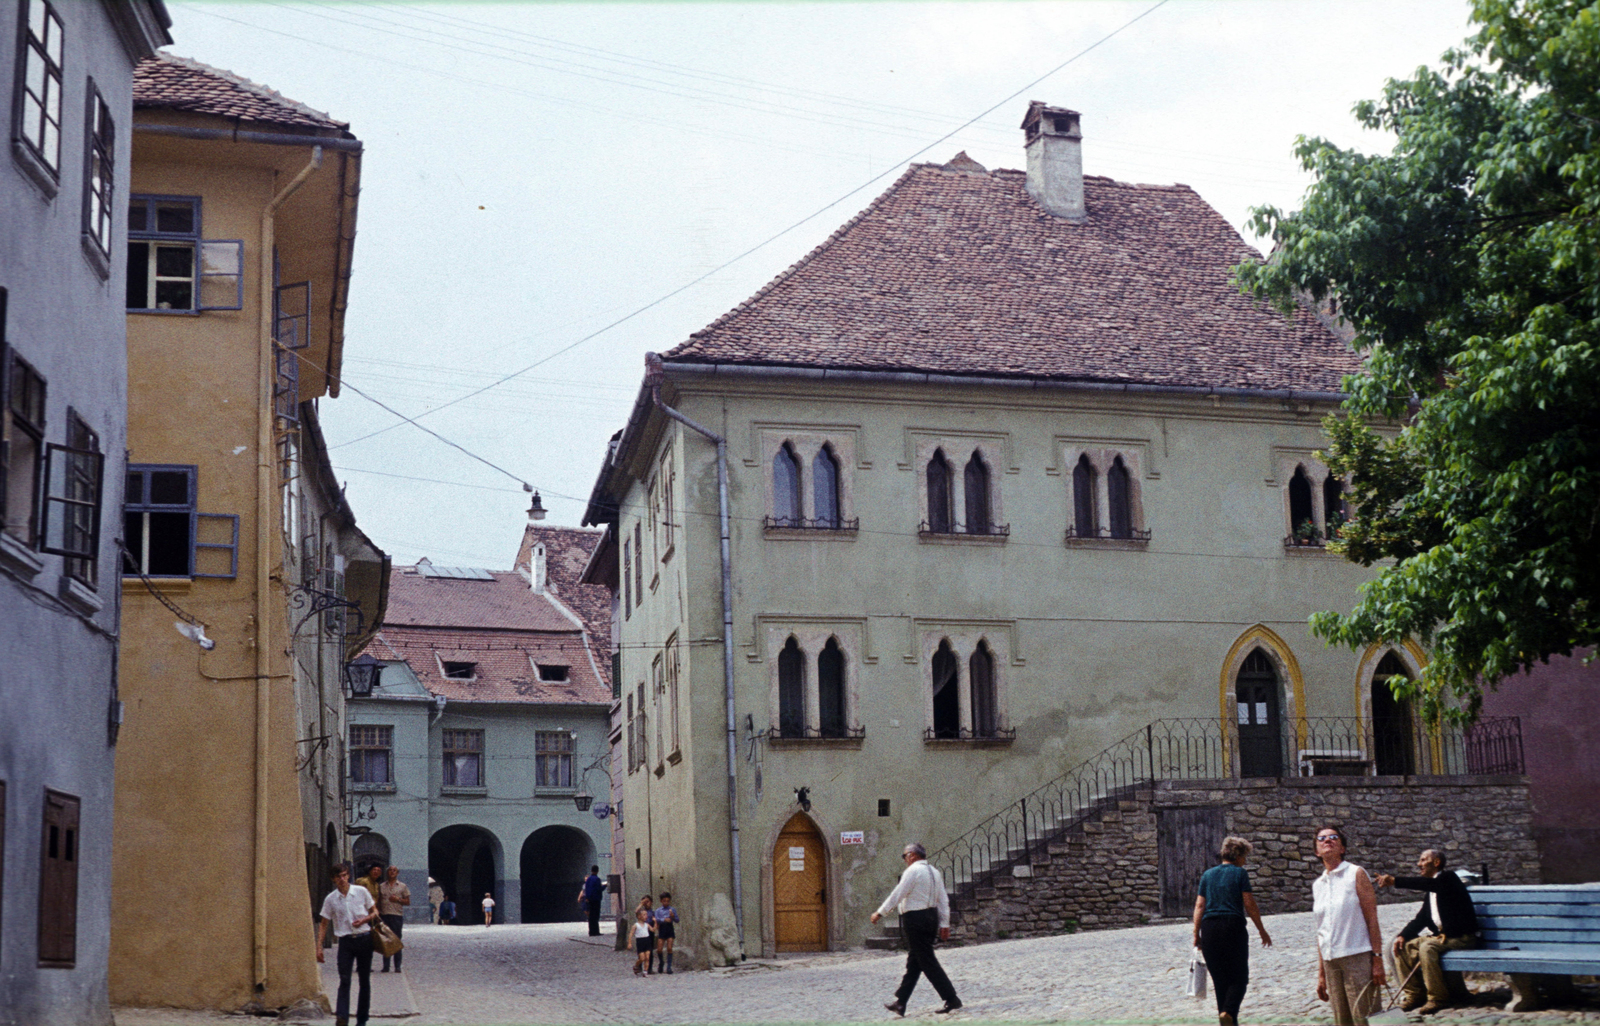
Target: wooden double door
[[800, 888]]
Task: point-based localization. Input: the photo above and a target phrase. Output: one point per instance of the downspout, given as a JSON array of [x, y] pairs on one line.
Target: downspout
[[265, 523], [653, 374]]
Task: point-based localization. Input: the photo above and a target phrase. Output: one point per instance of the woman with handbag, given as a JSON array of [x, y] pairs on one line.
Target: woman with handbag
[[1224, 899]]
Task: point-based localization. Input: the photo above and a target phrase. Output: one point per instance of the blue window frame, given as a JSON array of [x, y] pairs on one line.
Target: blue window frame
[[171, 269], [164, 535]]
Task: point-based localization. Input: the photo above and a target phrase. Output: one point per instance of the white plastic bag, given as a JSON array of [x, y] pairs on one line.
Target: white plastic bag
[[1196, 986]]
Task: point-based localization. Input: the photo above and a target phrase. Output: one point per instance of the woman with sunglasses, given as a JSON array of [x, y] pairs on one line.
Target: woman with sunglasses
[[1349, 945]]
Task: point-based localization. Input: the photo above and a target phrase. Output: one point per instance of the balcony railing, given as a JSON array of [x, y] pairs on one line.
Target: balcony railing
[[1105, 534], [964, 734], [812, 523], [819, 733], [928, 530]]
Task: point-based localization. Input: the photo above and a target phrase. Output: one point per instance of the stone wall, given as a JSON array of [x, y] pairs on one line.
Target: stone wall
[[1107, 873]]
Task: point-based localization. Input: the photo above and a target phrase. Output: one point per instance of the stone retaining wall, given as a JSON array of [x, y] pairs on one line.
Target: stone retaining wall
[[1107, 874]]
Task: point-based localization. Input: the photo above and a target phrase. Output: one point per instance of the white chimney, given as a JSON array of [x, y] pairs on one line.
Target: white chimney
[[536, 569], [1055, 160]]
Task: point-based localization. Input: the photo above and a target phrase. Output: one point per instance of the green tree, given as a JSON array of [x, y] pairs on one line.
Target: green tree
[[1467, 260]]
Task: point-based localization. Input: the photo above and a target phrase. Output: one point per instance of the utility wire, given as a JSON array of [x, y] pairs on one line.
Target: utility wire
[[773, 238]]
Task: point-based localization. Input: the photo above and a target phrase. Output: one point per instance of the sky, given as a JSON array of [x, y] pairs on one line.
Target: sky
[[558, 188]]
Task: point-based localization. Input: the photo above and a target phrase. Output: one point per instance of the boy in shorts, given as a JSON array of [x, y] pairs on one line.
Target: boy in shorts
[[666, 929], [644, 941]]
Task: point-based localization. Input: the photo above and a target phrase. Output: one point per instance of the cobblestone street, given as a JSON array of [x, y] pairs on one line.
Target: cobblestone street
[[555, 974]]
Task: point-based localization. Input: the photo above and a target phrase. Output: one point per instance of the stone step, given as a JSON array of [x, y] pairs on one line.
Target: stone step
[[882, 943], [1130, 807]]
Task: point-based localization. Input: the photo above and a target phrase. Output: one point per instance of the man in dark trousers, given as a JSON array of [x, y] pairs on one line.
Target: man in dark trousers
[[589, 896], [351, 911], [1448, 914], [924, 907]]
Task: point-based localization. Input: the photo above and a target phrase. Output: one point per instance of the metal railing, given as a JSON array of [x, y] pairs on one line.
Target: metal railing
[[927, 528], [811, 523], [1207, 749]]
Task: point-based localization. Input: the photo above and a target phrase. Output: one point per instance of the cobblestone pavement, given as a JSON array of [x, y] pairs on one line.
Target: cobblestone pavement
[[555, 974]]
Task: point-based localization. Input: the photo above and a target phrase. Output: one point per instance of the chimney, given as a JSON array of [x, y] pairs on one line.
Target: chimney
[[1055, 160], [537, 569]]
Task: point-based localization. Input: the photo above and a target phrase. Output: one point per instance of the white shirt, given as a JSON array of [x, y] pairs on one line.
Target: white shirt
[[1433, 912], [641, 930], [921, 886], [1341, 926], [488, 903], [344, 909]]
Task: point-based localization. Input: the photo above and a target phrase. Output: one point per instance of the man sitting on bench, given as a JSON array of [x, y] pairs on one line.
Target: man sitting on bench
[[1447, 912]]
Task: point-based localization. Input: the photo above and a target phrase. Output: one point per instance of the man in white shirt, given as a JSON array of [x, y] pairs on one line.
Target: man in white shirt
[[924, 907], [351, 910]]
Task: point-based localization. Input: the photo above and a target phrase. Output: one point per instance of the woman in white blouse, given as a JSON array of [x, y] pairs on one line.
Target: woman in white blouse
[[1349, 945]]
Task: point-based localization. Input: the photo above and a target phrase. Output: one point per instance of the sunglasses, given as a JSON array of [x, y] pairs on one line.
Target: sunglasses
[[1327, 837]]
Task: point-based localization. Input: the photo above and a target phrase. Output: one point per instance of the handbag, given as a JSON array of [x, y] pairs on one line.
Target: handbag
[[1379, 1014], [1196, 984], [384, 941]]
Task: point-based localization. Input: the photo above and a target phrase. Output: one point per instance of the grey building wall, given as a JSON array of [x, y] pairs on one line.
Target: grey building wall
[[58, 638]]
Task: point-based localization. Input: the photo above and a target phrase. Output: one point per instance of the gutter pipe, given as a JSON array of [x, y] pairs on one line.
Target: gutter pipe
[[265, 525], [653, 375], [239, 135], [1036, 384]]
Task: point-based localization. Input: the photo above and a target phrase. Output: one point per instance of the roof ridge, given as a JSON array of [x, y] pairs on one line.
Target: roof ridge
[[794, 268], [237, 81]]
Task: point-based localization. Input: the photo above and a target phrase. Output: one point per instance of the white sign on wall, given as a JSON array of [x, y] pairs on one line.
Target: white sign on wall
[[797, 853], [853, 837], [797, 865]]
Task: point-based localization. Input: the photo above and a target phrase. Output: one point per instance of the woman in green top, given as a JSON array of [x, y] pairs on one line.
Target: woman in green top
[[1219, 910]]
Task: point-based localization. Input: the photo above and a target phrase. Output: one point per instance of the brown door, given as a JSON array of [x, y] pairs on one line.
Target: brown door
[[1188, 841], [800, 888]]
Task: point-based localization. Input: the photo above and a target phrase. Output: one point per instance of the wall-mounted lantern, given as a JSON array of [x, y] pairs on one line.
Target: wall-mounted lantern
[[362, 674], [583, 801]]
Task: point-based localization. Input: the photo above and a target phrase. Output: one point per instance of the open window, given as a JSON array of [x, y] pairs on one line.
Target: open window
[[163, 535], [171, 268], [38, 98], [22, 447], [946, 693], [100, 145]]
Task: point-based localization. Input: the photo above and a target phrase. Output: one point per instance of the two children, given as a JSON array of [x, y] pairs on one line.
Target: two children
[[653, 927]]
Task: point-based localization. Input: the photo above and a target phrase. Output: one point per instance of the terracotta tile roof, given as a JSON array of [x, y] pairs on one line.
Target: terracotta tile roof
[[505, 664], [178, 83], [960, 271], [567, 551], [506, 602]]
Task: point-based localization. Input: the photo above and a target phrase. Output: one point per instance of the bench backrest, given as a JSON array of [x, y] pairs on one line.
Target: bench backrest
[[1533, 917]]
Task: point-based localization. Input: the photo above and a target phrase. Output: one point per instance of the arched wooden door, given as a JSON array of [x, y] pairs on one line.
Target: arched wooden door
[[1260, 741], [800, 888]]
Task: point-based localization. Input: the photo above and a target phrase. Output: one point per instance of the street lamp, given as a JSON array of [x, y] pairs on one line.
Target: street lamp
[[536, 511], [583, 801], [362, 674]]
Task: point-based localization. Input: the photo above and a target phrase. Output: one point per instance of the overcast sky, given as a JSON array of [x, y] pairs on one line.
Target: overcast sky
[[535, 172]]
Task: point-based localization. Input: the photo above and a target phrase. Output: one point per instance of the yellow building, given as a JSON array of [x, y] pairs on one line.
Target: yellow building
[[246, 584]]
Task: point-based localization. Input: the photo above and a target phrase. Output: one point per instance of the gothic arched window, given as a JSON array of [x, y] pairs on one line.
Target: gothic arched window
[[946, 698], [985, 714], [1301, 524], [825, 487], [786, 508], [830, 689], [1084, 511], [939, 519], [791, 690], [976, 479], [1119, 499]]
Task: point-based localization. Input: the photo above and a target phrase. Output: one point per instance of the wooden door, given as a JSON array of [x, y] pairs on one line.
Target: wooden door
[[800, 888], [1260, 738], [1188, 841]]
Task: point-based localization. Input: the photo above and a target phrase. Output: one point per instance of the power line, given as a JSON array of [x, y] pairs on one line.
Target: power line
[[773, 238]]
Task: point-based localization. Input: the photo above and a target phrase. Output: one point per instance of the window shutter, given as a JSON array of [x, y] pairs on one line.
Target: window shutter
[[221, 275], [58, 882], [215, 553]]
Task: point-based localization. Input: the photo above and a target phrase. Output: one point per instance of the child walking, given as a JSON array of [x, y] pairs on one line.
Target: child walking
[[666, 930], [644, 941]]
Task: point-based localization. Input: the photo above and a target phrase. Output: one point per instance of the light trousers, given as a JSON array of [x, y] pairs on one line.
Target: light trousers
[[1431, 981], [1347, 979]]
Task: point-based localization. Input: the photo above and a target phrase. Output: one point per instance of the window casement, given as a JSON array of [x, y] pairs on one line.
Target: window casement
[[812, 694], [971, 492], [458, 669], [965, 698], [1105, 505], [37, 135], [638, 563], [976, 481], [552, 759], [463, 758], [669, 480], [22, 447], [553, 672], [808, 494], [940, 519], [1314, 501], [627, 579], [1302, 523], [1334, 509], [658, 687], [673, 667], [633, 753], [371, 754], [58, 882], [99, 149], [163, 533], [73, 483], [641, 725], [171, 268]]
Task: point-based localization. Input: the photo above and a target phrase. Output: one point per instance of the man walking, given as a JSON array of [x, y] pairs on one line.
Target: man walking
[[924, 907], [351, 911], [589, 896], [1448, 915], [393, 897]]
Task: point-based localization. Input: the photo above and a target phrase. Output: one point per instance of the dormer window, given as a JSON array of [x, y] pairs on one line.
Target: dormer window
[[461, 671], [550, 672]]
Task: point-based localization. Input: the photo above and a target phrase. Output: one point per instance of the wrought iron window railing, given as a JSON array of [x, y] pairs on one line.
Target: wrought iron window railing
[[1104, 534], [819, 733], [962, 530], [1207, 749], [812, 523], [964, 734]]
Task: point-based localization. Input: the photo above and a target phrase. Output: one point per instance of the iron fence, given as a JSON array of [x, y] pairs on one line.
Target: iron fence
[[1205, 749]]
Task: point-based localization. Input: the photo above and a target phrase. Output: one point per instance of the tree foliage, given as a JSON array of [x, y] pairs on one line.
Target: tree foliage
[[1468, 262]]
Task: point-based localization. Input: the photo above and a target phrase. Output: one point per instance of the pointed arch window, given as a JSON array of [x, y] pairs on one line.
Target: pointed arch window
[[825, 487], [985, 708], [939, 479], [1302, 521], [791, 690], [946, 692], [976, 480], [830, 689], [786, 509], [1084, 518], [1334, 511], [1120, 500]]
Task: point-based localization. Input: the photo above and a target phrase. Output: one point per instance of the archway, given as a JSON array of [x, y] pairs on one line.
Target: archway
[[555, 859], [369, 850], [463, 859], [1392, 730], [800, 887]]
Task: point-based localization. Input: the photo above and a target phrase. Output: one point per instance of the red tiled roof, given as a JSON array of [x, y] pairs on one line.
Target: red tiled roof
[[505, 603], [178, 83], [567, 551], [956, 271], [505, 661]]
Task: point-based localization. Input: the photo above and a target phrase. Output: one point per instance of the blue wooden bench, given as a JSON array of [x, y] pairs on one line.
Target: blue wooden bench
[[1531, 931]]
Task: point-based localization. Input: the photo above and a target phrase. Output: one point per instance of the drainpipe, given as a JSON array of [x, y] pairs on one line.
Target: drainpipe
[[265, 373], [653, 375]]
